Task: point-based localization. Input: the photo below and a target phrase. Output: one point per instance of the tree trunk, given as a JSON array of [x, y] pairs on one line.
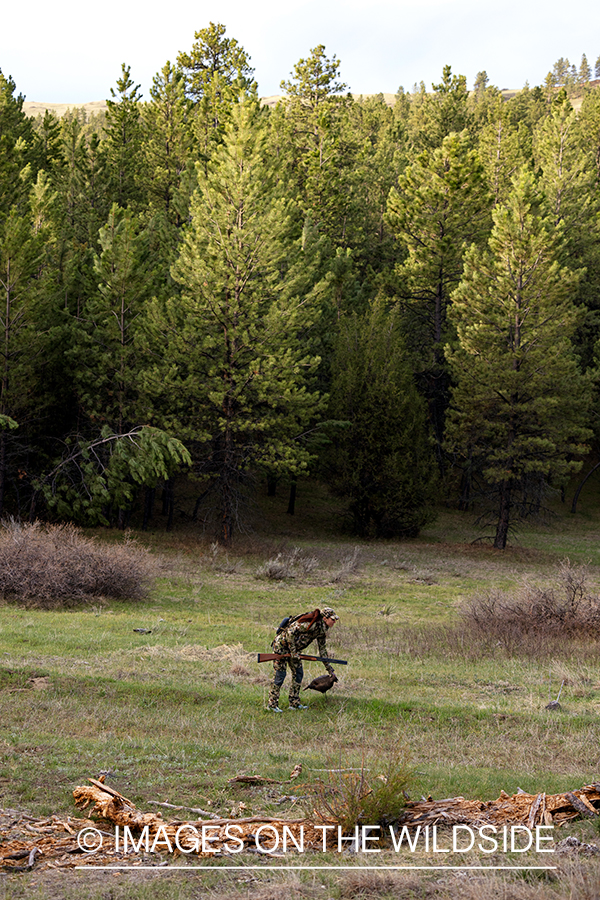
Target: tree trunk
[[170, 488], [578, 491], [2, 472], [503, 516], [464, 502], [292, 501], [271, 484], [148, 507], [199, 500], [165, 498]]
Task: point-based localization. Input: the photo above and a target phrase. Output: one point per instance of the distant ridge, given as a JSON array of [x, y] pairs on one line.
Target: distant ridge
[[38, 107]]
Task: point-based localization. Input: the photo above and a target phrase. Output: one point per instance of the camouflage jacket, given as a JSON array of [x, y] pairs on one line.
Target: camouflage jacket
[[297, 636]]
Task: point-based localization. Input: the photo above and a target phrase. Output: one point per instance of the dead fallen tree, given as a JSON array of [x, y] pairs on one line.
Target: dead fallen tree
[[520, 809], [55, 842], [181, 834]]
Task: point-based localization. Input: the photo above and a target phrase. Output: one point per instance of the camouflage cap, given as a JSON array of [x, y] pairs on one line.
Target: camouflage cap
[[328, 613]]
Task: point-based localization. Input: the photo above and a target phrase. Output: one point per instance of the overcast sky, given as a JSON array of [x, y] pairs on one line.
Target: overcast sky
[[71, 52]]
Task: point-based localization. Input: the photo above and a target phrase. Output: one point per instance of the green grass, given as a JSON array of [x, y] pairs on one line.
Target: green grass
[[174, 714]]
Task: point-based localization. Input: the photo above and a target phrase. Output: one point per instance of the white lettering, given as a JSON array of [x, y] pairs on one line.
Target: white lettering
[[355, 838], [233, 837], [195, 843], [161, 840], [144, 839], [455, 830], [208, 838], [513, 833], [259, 845], [324, 829], [405, 833], [543, 837], [486, 837], [437, 849], [368, 837], [287, 832]]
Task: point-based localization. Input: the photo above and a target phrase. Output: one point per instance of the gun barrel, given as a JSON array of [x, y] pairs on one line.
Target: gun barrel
[[266, 657]]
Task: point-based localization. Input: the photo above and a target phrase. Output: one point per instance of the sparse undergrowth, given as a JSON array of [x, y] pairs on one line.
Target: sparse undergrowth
[[565, 608], [52, 565]]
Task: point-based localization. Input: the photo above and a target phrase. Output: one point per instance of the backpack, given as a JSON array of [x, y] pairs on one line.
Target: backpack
[[285, 622], [289, 620]]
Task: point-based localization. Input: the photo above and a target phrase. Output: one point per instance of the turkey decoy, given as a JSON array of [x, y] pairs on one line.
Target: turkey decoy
[[322, 684]]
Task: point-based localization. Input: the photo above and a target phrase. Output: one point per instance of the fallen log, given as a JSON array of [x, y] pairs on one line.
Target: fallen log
[[520, 809], [52, 841], [113, 807]]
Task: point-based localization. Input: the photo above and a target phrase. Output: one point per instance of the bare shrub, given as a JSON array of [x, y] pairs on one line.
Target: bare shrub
[[288, 564], [564, 609], [220, 561], [350, 564], [50, 565], [353, 798]]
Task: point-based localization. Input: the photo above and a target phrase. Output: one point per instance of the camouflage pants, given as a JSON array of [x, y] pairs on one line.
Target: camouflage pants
[[297, 673]]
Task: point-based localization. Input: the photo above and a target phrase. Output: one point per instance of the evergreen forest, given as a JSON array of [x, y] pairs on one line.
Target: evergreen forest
[[201, 293]]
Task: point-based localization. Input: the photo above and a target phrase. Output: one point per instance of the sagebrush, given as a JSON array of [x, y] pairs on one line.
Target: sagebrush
[[53, 564], [564, 608]]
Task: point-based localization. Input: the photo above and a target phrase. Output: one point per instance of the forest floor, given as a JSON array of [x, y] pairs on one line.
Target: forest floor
[[174, 710]]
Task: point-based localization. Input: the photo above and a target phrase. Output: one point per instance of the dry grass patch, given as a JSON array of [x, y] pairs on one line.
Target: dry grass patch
[[52, 565]]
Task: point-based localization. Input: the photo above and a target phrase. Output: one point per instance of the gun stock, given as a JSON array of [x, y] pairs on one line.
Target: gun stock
[[267, 657]]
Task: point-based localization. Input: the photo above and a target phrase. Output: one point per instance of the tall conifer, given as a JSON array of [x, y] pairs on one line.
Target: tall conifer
[[236, 342], [520, 403]]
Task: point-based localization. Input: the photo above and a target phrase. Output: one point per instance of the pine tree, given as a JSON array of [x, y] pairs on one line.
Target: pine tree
[[481, 82], [520, 404], [212, 55], [589, 130], [379, 134], [585, 72], [123, 139], [16, 143], [24, 321], [167, 144], [567, 177], [568, 180], [237, 354], [104, 354], [310, 135], [382, 461], [438, 114], [502, 150], [216, 72], [441, 204]]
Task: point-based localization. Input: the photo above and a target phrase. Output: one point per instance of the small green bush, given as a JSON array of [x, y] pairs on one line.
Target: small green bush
[[357, 798], [52, 565]]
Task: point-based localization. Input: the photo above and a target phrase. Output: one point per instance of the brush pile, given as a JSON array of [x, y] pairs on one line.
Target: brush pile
[[520, 809]]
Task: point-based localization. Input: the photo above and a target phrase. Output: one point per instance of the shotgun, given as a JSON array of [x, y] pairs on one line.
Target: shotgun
[[266, 657]]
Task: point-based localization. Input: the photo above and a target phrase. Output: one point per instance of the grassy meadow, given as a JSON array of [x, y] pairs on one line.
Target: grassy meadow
[[173, 712]]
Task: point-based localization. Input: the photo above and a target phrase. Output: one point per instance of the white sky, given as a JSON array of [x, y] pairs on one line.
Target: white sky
[[71, 52]]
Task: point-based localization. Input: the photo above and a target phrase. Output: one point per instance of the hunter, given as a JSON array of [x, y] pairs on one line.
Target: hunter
[[293, 637]]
